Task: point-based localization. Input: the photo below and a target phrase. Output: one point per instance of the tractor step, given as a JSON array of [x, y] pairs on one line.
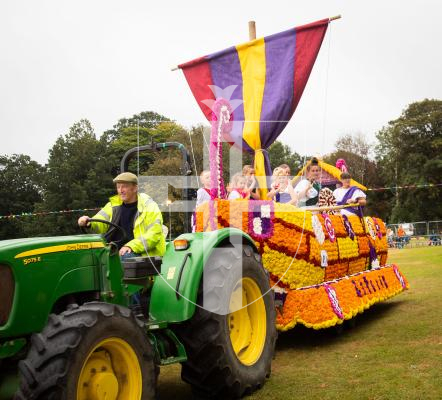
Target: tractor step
[[173, 360], [167, 346], [141, 267]]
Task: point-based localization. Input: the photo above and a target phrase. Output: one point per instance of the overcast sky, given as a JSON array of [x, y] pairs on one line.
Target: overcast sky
[[103, 60]]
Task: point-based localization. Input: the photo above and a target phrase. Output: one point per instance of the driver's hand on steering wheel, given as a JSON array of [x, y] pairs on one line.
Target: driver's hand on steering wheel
[[83, 221], [124, 250]]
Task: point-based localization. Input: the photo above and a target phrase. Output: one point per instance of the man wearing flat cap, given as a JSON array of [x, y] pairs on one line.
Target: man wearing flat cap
[[137, 214]]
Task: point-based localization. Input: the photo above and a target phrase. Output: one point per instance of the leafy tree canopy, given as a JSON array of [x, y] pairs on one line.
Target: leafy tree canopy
[[22, 180], [410, 152]]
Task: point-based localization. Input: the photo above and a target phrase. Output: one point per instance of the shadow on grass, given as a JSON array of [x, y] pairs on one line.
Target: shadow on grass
[[301, 337], [172, 387]]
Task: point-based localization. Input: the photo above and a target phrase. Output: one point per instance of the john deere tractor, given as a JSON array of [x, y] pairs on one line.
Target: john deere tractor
[[76, 323]]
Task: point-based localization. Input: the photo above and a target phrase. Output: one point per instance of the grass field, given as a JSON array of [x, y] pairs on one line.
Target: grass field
[[393, 352]]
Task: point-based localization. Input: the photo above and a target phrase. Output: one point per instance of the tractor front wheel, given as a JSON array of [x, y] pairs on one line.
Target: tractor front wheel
[[93, 352], [231, 338]]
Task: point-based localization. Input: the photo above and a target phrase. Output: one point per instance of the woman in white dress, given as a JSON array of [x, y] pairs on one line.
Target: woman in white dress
[[308, 188]]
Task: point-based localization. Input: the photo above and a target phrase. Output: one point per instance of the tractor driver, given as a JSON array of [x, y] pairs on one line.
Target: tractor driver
[[137, 214]]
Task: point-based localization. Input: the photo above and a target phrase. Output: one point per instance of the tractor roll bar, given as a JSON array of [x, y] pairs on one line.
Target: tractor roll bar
[[186, 168]]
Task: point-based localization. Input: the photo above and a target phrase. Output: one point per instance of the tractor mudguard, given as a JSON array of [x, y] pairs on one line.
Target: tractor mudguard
[[175, 291]]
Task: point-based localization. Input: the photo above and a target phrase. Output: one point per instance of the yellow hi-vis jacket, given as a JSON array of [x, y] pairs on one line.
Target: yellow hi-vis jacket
[[148, 225]]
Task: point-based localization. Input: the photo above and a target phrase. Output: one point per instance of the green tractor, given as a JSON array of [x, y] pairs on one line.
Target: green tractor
[[76, 323]]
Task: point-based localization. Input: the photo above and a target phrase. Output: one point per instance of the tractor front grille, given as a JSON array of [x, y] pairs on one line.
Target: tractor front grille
[[7, 287]]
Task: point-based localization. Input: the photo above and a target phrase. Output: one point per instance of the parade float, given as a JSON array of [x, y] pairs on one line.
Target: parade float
[[324, 267]]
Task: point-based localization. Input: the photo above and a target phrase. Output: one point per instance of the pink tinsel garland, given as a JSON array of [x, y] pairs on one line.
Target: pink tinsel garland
[[222, 121]]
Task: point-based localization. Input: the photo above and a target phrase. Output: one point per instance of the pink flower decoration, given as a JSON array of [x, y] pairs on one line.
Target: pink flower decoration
[[334, 302], [222, 121], [341, 164], [329, 227]]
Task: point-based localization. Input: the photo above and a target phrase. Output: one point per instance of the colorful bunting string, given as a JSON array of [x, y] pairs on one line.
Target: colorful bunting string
[[404, 187], [44, 213]]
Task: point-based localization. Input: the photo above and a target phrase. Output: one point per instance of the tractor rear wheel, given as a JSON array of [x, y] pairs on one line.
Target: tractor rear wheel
[[230, 342], [93, 352]]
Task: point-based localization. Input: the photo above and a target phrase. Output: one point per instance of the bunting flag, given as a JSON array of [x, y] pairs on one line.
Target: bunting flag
[[263, 81]]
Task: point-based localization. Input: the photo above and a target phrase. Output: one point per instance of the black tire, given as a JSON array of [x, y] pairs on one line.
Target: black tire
[[57, 355], [213, 368]]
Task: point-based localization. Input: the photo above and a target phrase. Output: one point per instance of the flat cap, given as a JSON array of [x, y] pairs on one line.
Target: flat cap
[[126, 177]]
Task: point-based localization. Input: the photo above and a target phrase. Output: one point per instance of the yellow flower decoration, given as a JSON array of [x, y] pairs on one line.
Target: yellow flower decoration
[[293, 272]]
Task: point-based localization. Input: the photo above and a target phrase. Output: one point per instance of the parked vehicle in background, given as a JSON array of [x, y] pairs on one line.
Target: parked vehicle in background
[[408, 229]]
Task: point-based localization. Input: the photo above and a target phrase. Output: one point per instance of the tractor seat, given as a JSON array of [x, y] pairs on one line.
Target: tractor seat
[[141, 267]]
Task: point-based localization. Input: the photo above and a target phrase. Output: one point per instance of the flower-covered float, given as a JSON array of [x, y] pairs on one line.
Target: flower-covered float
[[324, 268]]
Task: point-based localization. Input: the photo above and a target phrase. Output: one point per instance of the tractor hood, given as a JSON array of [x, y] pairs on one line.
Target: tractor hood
[[36, 272], [18, 248]]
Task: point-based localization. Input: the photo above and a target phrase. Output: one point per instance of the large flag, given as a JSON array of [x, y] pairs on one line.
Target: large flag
[[263, 80]]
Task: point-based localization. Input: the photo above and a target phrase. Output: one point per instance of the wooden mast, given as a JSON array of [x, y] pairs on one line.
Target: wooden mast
[[252, 30]]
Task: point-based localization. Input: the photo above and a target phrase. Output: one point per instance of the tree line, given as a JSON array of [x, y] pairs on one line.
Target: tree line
[[81, 166]]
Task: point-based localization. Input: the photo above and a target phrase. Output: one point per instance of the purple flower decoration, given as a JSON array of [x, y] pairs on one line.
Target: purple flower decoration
[[358, 292], [367, 284], [329, 227], [378, 228], [373, 256], [348, 227], [261, 214]]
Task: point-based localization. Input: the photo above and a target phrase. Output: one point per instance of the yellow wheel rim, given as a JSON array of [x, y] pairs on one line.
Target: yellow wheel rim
[[247, 321], [111, 371]]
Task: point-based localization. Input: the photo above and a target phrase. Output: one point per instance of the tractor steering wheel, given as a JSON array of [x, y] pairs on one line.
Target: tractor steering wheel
[[110, 231]]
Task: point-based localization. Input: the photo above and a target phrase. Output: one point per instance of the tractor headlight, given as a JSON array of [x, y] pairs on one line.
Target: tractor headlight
[[7, 288], [181, 244]]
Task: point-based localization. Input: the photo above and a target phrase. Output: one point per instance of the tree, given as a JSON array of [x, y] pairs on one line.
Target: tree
[[355, 150], [280, 153], [141, 129], [410, 153], [145, 121], [77, 177], [21, 188]]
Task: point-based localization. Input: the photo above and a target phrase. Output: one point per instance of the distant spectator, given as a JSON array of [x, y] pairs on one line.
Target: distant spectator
[[435, 240], [400, 237], [390, 237]]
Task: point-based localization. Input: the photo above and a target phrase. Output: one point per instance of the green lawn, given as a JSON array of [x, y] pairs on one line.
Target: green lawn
[[394, 352]]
